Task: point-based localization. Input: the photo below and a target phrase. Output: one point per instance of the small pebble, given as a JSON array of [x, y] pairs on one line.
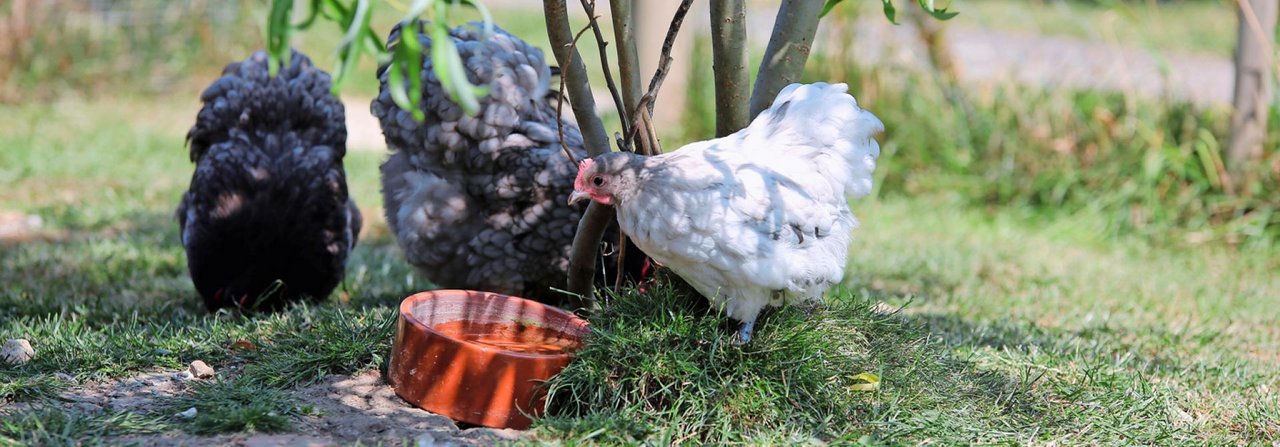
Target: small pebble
[[67, 378], [431, 439], [201, 370], [190, 413], [17, 352]]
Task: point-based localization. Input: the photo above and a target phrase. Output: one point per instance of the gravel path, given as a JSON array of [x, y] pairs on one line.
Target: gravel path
[[985, 57], [363, 131]]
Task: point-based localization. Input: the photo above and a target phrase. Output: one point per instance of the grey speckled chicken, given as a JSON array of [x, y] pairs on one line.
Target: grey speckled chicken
[[268, 200], [479, 202]]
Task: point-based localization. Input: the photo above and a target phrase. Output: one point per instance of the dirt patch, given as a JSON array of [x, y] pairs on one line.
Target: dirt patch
[[365, 407], [21, 227], [140, 393], [349, 409]]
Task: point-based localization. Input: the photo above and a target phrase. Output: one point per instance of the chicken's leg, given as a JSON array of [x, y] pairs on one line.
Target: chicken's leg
[[744, 332]]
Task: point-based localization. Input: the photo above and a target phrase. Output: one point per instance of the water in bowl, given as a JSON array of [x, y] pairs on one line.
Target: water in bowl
[[511, 336]]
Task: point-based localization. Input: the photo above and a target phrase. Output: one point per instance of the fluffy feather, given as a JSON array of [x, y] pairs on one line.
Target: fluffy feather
[[268, 199], [757, 217], [479, 202]]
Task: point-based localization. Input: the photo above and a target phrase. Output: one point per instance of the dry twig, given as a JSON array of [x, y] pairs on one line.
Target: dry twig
[[664, 66], [590, 7]]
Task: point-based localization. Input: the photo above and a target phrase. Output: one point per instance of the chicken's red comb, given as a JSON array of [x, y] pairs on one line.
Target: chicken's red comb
[[579, 183]]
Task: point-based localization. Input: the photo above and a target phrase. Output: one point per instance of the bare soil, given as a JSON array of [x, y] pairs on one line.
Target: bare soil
[[361, 408]]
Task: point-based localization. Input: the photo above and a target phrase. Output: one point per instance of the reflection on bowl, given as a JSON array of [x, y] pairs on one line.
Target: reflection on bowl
[[479, 357]]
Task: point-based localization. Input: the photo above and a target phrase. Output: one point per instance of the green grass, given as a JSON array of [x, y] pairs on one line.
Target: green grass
[[57, 427], [1016, 325], [660, 368], [1012, 329], [1148, 167], [236, 405]]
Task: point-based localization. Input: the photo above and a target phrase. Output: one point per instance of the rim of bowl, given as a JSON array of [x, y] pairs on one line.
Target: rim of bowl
[[407, 315]]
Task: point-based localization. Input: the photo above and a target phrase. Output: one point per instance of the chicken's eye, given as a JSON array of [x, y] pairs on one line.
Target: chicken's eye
[[597, 180]]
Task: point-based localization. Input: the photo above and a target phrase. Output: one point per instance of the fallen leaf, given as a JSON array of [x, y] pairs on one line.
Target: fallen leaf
[[869, 382]]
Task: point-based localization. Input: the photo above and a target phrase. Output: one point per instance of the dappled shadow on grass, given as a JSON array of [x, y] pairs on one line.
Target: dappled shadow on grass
[[660, 367], [137, 266], [108, 302], [102, 274]]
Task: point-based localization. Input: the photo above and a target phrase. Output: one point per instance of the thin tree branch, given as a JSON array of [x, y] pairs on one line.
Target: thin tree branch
[[664, 63], [621, 267], [560, 104], [590, 7], [628, 56], [664, 66], [932, 33], [586, 243], [788, 50], [583, 104], [597, 217], [729, 62], [655, 147], [644, 141]]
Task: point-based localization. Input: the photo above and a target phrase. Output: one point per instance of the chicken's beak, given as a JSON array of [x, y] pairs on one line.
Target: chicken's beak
[[578, 196]]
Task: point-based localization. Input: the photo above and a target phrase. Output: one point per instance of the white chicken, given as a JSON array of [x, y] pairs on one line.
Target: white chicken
[[757, 218]]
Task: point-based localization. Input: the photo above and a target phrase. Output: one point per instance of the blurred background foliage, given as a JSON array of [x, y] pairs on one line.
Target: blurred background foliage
[[1150, 163]]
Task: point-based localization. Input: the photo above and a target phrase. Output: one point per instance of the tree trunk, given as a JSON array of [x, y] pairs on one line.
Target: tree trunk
[[624, 42], [594, 221], [787, 52], [729, 60], [1255, 36]]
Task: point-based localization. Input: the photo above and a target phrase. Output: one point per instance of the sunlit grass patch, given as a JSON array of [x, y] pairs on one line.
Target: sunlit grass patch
[[660, 366]]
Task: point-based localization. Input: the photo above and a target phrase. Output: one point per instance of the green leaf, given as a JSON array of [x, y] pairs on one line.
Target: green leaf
[[358, 23], [1206, 148], [352, 43], [416, 9], [406, 61], [940, 14], [316, 6], [868, 382], [485, 17], [278, 32], [890, 12], [396, 86], [448, 65], [827, 7]]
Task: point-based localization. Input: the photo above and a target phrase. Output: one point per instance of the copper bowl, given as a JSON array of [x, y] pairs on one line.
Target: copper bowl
[[480, 357]]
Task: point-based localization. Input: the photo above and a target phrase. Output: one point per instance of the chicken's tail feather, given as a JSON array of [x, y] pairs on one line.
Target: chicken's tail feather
[[822, 122], [247, 98]]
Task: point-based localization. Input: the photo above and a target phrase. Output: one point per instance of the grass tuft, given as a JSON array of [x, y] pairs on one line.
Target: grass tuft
[[662, 364], [53, 426], [18, 387], [310, 343], [234, 406]]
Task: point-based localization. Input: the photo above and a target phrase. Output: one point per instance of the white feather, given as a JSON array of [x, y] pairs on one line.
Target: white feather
[[762, 215]]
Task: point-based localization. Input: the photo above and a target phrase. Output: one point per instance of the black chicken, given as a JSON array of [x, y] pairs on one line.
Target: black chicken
[[267, 220], [480, 202]]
